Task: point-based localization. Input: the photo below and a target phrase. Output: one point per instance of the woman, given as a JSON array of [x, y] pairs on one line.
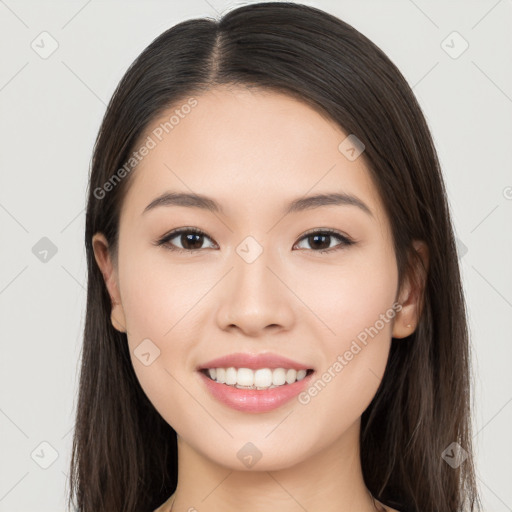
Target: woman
[[275, 318]]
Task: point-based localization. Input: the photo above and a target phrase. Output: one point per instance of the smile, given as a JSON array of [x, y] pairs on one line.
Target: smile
[[255, 399], [262, 378]]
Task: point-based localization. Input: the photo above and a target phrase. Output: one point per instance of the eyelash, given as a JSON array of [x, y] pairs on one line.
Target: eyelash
[[165, 240]]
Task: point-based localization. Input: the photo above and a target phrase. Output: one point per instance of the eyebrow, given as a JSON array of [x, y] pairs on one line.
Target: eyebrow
[[191, 200]]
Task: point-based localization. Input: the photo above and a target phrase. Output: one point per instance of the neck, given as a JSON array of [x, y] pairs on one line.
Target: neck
[[329, 480]]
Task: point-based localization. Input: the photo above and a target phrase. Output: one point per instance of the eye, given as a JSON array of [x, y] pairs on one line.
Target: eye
[[191, 240], [321, 240]]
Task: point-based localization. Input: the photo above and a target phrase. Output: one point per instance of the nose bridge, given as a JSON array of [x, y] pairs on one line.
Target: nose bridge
[[256, 286], [255, 298]]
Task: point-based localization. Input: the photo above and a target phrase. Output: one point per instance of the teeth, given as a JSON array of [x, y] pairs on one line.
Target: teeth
[[264, 378], [231, 376]]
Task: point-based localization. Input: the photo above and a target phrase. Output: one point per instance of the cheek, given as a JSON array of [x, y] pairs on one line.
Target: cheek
[[351, 296], [356, 303], [163, 303], [160, 302], [159, 298]]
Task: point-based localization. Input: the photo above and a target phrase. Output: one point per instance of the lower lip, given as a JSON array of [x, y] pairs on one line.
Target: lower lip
[[253, 400]]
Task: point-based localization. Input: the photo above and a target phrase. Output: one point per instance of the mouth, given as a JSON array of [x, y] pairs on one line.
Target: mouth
[[254, 398], [254, 383], [256, 379]]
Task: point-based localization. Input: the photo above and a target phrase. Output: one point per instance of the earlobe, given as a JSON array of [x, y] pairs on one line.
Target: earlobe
[[411, 293], [404, 324], [108, 270], [117, 318]]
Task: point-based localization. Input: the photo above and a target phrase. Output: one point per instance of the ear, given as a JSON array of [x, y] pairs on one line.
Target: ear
[[109, 271], [411, 292]]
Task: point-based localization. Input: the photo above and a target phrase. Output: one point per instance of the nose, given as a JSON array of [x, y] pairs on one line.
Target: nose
[[254, 298]]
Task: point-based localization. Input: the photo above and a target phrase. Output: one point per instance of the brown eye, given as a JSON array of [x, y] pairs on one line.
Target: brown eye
[[187, 239], [320, 241], [192, 240]]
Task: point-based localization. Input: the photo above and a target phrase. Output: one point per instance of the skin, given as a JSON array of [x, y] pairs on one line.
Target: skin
[[253, 151]]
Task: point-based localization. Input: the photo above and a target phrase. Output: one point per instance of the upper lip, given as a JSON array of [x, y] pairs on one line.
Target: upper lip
[[253, 361]]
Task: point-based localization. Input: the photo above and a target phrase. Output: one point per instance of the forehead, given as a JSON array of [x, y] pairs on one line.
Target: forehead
[[247, 148]]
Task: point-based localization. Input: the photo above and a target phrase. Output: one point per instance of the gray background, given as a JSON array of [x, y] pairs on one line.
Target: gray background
[[50, 111]]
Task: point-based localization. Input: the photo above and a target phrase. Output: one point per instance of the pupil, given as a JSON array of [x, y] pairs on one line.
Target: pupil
[[322, 246], [188, 238]]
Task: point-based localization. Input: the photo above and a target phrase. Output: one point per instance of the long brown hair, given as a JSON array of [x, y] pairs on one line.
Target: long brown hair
[[124, 454]]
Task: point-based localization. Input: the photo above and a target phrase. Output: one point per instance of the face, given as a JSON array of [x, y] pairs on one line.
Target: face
[[317, 284]]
